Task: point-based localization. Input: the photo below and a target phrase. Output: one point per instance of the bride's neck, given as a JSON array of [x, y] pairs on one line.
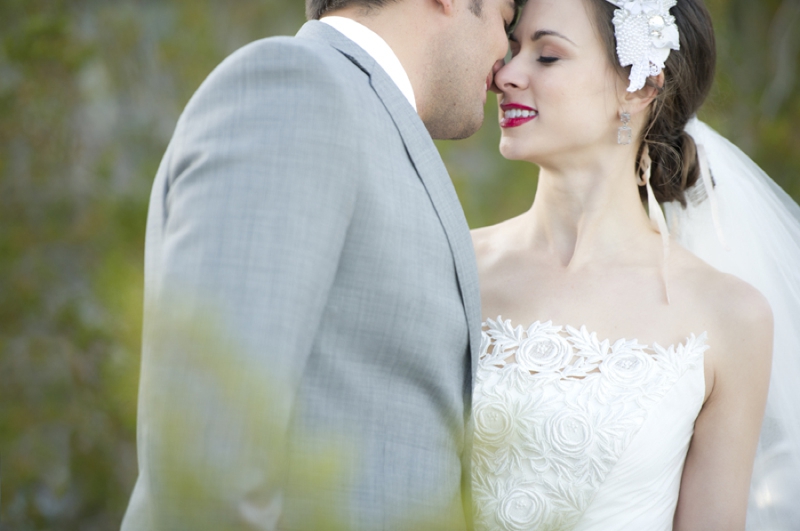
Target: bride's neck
[[583, 214]]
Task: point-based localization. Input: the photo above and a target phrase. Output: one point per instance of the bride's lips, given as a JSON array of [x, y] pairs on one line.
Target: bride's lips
[[519, 114]]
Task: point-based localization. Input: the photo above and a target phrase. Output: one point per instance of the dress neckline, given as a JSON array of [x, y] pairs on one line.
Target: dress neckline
[[507, 325]]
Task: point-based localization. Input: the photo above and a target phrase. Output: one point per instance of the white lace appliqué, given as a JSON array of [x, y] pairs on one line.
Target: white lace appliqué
[[554, 410]]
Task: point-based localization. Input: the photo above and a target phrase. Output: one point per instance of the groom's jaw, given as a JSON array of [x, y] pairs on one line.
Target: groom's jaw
[[515, 114]]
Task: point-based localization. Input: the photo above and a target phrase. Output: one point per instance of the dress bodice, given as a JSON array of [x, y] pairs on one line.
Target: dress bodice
[[574, 433]]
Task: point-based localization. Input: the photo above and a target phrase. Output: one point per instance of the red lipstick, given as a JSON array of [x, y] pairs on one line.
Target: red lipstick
[[515, 114]]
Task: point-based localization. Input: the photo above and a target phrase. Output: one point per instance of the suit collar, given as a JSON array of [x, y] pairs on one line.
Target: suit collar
[[378, 49], [317, 31]]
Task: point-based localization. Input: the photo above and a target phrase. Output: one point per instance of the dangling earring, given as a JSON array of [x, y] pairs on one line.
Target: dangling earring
[[625, 133]]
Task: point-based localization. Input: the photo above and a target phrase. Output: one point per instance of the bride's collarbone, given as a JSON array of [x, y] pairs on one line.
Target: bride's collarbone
[[622, 299], [630, 305]]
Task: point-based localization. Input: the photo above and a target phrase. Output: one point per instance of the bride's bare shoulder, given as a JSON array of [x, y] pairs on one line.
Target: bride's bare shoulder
[[485, 238], [491, 241], [732, 308], [482, 239]]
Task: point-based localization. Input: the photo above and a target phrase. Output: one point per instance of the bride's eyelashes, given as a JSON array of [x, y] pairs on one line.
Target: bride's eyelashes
[[548, 53]]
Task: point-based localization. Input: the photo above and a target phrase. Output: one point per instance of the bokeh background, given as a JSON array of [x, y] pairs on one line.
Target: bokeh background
[[90, 91]]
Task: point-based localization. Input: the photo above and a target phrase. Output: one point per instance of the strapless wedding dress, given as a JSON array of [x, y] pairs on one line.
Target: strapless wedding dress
[[575, 433]]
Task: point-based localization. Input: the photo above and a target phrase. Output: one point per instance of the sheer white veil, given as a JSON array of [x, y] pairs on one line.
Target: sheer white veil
[[761, 228]]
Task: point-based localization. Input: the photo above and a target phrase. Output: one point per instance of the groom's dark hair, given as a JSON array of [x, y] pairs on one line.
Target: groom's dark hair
[[315, 9]]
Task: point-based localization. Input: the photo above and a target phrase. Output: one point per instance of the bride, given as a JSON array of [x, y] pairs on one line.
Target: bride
[[623, 379]]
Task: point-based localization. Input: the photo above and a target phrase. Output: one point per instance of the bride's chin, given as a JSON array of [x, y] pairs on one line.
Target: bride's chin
[[512, 152]]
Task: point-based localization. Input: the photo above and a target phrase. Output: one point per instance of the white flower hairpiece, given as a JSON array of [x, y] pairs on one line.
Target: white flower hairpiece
[[646, 33]]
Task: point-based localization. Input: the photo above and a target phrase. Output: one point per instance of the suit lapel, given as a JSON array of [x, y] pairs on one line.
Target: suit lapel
[[430, 168], [434, 176]]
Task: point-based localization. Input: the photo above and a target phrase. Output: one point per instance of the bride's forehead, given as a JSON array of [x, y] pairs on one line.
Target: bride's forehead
[[571, 12], [573, 18]]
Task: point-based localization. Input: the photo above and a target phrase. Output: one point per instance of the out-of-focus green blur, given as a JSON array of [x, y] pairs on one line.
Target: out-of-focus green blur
[[89, 95]]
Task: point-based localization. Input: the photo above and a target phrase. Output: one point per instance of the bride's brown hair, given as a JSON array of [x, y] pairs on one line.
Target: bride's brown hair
[[688, 76]]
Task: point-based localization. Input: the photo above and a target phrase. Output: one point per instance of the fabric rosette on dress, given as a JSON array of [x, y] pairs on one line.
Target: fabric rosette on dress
[[554, 409]]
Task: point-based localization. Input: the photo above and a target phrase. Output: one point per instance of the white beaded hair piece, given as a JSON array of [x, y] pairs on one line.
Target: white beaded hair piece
[[646, 33]]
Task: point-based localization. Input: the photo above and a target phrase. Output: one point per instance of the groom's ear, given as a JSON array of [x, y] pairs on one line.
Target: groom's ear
[[641, 99], [445, 6]]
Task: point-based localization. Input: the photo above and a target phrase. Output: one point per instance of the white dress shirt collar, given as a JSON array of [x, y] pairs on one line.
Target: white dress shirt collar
[[375, 46]]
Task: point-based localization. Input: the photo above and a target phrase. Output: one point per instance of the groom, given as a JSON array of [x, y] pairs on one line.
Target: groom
[[312, 309]]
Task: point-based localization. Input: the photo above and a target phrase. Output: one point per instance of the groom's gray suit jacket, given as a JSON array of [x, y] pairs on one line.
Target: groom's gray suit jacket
[[312, 309]]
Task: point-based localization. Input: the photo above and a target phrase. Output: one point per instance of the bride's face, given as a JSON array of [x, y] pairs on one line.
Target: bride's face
[[559, 95]]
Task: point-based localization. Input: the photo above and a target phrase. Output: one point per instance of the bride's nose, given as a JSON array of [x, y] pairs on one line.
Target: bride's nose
[[507, 77]]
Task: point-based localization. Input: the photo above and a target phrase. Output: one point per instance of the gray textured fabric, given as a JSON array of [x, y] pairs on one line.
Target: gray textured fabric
[[311, 305]]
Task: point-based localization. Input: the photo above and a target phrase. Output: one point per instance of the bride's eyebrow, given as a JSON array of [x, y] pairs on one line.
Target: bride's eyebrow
[[550, 33]]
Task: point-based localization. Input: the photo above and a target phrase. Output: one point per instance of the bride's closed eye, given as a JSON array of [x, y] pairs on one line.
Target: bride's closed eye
[[547, 60]]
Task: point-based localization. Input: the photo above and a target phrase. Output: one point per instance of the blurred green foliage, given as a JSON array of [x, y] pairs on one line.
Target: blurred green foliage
[[89, 95]]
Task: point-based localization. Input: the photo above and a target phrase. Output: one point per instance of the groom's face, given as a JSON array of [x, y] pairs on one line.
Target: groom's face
[[463, 66]]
